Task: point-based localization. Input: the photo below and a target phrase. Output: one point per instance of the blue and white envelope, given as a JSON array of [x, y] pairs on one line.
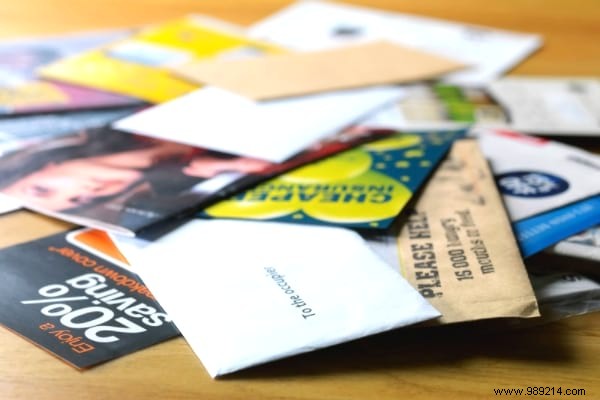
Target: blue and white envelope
[[537, 175], [539, 232]]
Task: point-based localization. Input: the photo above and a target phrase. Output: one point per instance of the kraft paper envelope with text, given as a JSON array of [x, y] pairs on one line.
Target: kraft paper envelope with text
[[244, 293], [457, 247], [293, 74]]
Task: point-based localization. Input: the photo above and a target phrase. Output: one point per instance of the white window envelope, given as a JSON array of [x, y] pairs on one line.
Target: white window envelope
[[271, 130], [313, 25], [244, 293], [536, 175]]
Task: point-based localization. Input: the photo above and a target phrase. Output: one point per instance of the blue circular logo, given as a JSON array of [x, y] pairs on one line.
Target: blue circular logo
[[531, 184]]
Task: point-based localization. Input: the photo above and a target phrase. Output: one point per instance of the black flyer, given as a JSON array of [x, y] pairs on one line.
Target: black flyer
[[77, 305]]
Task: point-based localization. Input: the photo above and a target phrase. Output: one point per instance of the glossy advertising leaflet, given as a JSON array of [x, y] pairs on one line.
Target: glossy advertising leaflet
[[22, 131], [263, 291], [457, 247], [113, 180], [365, 187], [137, 66], [537, 175], [489, 52], [21, 91], [75, 304]]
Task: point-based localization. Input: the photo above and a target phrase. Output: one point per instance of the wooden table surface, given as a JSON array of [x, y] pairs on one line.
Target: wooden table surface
[[451, 362]]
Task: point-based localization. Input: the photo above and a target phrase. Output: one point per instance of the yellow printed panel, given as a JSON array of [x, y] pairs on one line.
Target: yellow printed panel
[[139, 66]]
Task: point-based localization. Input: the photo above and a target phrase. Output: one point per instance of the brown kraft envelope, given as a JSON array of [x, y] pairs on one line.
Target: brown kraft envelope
[[457, 247], [293, 74]]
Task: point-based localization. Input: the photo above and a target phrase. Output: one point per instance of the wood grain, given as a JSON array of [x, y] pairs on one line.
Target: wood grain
[[452, 362]]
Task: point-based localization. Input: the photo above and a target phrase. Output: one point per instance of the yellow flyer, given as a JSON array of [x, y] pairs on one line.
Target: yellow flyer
[[365, 187], [139, 66]]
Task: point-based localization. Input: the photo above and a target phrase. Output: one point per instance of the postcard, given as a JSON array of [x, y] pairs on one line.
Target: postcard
[[77, 306], [490, 52], [273, 130], [544, 230], [295, 74], [457, 248], [137, 66], [537, 175], [365, 187], [117, 181], [286, 289], [22, 92], [550, 106]]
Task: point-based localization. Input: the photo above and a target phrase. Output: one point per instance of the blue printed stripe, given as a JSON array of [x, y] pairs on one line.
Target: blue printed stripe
[[541, 231]]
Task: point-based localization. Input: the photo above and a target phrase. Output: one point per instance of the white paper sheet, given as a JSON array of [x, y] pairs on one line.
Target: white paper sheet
[[312, 25], [273, 130], [536, 175], [244, 293], [560, 286], [559, 106], [8, 204]]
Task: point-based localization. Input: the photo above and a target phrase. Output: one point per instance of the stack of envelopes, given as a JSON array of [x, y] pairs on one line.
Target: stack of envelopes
[[271, 191]]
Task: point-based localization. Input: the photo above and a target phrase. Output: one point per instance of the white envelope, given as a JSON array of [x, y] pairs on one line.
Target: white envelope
[[551, 106], [563, 286], [536, 175], [313, 25], [271, 130], [244, 293]]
